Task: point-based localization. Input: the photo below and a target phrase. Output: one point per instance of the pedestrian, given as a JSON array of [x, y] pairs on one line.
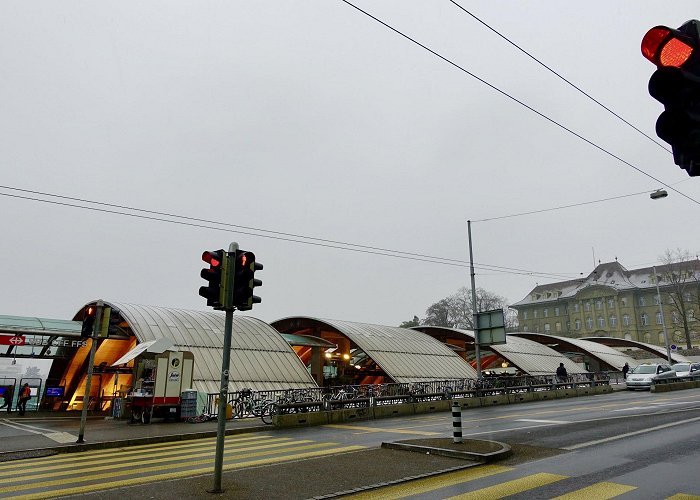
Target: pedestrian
[[7, 399], [625, 369], [25, 394], [561, 373]]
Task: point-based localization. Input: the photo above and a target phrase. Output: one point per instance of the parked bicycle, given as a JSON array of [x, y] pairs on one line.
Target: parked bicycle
[[247, 403]]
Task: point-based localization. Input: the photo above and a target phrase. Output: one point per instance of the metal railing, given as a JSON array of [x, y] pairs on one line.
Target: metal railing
[[248, 403]]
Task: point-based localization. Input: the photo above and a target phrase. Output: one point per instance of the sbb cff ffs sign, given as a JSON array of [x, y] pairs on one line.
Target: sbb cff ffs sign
[[676, 84]]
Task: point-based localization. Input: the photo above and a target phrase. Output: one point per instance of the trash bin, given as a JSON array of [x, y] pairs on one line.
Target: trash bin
[[229, 409]]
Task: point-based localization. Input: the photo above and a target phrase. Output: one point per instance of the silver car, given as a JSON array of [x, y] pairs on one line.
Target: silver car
[[642, 376], [687, 370]]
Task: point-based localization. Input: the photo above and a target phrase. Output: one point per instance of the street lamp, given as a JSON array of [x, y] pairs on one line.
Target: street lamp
[[661, 311]]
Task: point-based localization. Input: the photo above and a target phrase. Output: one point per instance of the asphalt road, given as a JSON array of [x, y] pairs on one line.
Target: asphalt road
[[634, 444]]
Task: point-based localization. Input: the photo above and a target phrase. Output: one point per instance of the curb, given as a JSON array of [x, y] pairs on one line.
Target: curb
[[504, 452]]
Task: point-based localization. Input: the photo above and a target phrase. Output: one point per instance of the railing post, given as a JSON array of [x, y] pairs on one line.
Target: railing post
[[456, 422]]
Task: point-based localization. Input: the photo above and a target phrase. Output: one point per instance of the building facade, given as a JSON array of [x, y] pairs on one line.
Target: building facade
[[615, 302]]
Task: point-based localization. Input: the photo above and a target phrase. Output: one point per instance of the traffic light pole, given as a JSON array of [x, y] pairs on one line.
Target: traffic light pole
[[88, 382], [225, 365]]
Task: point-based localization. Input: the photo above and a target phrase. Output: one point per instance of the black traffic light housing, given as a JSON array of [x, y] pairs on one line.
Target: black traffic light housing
[[244, 280], [88, 321], [676, 84], [213, 292]]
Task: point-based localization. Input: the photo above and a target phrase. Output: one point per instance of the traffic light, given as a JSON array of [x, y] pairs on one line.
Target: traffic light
[[676, 84], [244, 280], [88, 321], [213, 291]]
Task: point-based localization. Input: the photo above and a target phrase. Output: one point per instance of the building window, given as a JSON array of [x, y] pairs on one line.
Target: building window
[[575, 307], [577, 324], [662, 339], [524, 314], [545, 312], [611, 303], [525, 328], [628, 336], [623, 302], [691, 316], [557, 327], [599, 304], [658, 318], [546, 328], [675, 317], [645, 319], [613, 320], [642, 301], [626, 320], [534, 313], [556, 311], [687, 297], [601, 322], [587, 306], [589, 323], [656, 300]]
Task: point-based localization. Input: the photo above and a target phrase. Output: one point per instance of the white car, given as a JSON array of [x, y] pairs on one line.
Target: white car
[[687, 370], [642, 376]]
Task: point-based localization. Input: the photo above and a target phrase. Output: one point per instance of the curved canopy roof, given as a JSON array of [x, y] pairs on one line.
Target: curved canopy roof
[[531, 357], [405, 355], [654, 349], [608, 355], [260, 358]]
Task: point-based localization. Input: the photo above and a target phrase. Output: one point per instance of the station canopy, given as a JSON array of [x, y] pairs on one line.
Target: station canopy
[[607, 355], [643, 346], [261, 358], [527, 355], [403, 354]]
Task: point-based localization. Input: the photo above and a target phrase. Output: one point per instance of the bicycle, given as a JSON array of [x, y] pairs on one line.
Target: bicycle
[[247, 404]]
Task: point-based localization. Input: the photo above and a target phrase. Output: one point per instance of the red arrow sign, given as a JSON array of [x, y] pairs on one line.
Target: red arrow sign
[[7, 340]]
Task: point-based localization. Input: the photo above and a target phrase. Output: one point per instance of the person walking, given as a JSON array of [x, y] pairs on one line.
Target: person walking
[[25, 394], [7, 399], [625, 369], [561, 373]]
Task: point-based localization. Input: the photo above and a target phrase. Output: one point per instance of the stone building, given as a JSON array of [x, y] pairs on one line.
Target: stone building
[[615, 302]]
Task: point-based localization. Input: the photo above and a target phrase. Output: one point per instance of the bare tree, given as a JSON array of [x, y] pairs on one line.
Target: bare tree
[[679, 277], [456, 310]]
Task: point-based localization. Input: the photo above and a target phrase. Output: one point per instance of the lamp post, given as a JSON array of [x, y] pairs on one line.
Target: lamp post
[[661, 311], [477, 350]]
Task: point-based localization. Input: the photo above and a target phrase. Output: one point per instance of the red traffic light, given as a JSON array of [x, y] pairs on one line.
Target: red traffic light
[[667, 47], [212, 258]]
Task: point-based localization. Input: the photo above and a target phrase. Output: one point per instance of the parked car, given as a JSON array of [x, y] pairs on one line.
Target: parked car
[[642, 376], [687, 370]]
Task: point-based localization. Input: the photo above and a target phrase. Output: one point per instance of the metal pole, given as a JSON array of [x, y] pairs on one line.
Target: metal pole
[[91, 361], [474, 311], [225, 366], [663, 323], [223, 400]]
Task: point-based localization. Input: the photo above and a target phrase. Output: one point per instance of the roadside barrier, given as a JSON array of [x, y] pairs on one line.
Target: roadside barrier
[[456, 422]]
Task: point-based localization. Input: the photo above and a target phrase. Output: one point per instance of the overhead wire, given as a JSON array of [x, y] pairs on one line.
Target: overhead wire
[[558, 75], [251, 231], [518, 101]]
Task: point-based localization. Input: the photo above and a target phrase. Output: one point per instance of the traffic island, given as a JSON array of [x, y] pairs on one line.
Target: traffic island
[[479, 450]]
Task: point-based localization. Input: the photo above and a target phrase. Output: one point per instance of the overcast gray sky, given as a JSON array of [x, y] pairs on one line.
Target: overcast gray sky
[[310, 118]]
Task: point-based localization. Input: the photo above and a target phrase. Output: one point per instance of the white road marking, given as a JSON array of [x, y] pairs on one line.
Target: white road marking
[[542, 421], [59, 437], [629, 434]]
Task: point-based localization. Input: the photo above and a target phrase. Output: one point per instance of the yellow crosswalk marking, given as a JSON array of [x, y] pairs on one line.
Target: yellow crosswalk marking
[[598, 491], [511, 487], [173, 475], [176, 457], [376, 429], [157, 468], [432, 483]]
